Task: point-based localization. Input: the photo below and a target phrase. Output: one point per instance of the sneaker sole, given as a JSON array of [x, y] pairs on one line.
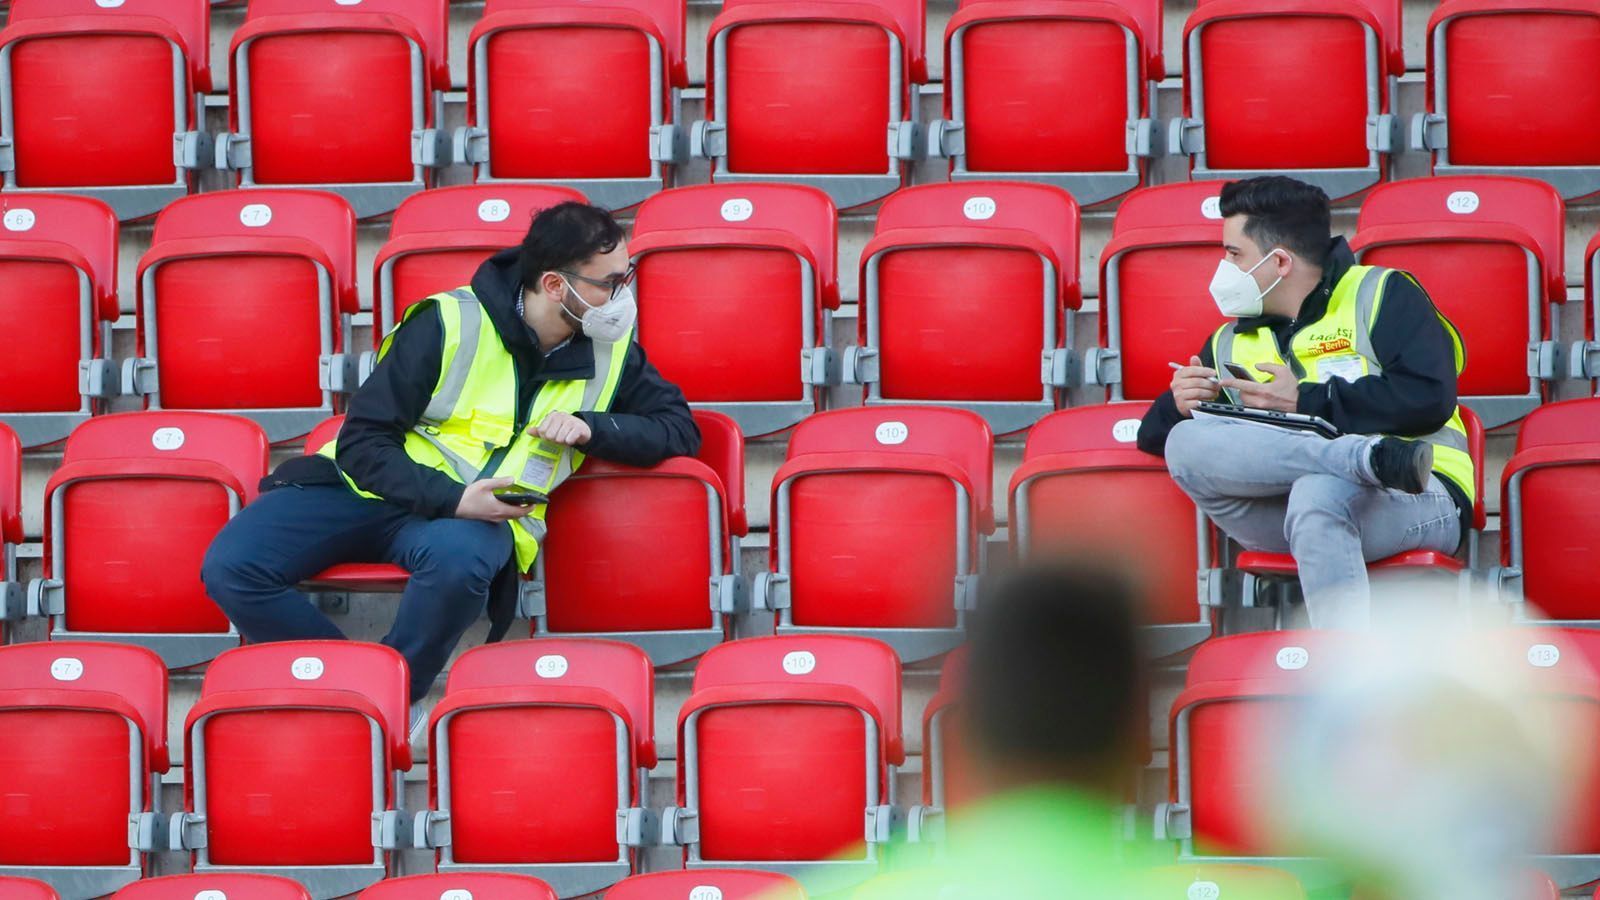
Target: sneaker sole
[[1423, 462]]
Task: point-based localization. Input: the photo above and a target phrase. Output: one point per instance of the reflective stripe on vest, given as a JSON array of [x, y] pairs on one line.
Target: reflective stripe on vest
[[470, 419], [1339, 345]]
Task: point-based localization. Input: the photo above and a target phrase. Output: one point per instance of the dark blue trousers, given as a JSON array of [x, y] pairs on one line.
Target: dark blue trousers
[[294, 532]]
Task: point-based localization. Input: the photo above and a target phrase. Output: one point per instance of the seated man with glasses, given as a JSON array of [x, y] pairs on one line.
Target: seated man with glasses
[[484, 399]]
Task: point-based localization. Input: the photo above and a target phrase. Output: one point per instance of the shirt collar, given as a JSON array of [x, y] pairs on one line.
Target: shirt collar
[[522, 317]]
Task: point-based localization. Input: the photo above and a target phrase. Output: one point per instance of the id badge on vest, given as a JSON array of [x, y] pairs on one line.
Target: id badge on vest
[[1346, 366], [539, 472]]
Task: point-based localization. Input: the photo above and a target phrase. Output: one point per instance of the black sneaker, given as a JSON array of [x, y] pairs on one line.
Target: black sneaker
[[1402, 465]]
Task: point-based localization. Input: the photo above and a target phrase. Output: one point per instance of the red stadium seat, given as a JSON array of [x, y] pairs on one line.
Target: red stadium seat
[[58, 273], [1280, 567], [735, 282], [1248, 66], [86, 741], [338, 96], [686, 514], [106, 98], [730, 884], [1583, 357], [571, 92], [240, 301], [13, 888], [214, 886], [438, 238], [1241, 881], [773, 744], [1514, 89], [12, 605], [485, 885], [1012, 64], [128, 517], [537, 750], [878, 523], [946, 768], [358, 577], [1550, 520], [1490, 252], [1165, 243], [804, 90], [1020, 241], [293, 751], [1083, 488]]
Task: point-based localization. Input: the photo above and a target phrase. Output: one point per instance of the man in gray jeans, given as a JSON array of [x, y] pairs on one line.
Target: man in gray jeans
[[1360, 346]]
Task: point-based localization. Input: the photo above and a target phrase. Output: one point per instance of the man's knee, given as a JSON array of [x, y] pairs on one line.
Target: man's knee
[[1192, 447], [1318, 499], [465, 553], [229, 570]]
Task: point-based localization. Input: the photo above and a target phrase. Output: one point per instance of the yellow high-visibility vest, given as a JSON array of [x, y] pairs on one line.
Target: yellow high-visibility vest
[[470, 420], [1339, 345]]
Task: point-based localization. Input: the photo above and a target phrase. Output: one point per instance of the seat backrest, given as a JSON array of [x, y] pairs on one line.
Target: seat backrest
[[1475, 449], [1192, 205], [224, 884], [722, 449], [10, 488], [667, 15], [1387, 12], [870, 666], [324, 219], [961, 436], [1567, 422], [429, 17], [503, 206], [374, 671], [135, 674], [498, 886], [1111, 426], [327, 430], [191, 19], [1289, 659], [911, 16], [621, 670], [85, 224], [1222, 880], [234, 442], [1146, 13], [16, 888], [730, 884]]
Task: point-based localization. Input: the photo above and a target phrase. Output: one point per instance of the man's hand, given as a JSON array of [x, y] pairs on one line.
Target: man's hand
[[564, 428], [1192, 385], [479, 502], [1282, 393]]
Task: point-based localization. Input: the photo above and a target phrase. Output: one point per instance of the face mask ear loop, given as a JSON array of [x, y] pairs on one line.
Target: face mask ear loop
[[1270, 254]]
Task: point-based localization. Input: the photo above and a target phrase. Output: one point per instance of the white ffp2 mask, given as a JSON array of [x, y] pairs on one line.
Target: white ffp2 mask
[[608, 323], [1236, 292]]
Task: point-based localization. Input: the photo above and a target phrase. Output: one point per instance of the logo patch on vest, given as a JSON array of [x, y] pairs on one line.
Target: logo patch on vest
[[1323, 348]]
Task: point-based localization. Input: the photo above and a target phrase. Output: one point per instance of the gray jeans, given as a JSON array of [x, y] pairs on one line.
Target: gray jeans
[[1283, 491]]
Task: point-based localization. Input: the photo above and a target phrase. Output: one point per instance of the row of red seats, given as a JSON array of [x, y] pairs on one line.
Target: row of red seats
[[348, 96], [538, 757], [244, 298]]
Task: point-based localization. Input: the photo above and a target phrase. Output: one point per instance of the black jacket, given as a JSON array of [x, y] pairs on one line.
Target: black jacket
[[1415, 394], [648, 421]]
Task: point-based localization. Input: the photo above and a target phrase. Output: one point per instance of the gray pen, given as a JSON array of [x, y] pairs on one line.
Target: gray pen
[[1211, 378]]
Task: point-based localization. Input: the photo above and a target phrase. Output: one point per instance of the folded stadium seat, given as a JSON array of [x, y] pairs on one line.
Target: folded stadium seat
[[241, 298], [786, 746], [355, 577], [1583, 357], [214, 886], [1490, 251], [295, 754], [26, 889], [806, 91], [570, 92], [539, 755], [946, 768], [1248, 66], [879, 524], [1083, 459], [86, 741], [1011, 63], [1275, 570], [127, 519], [459, 886], [1549, 512], [685, 514], [58, 273], [1020, 241], [1164, 247], [1235, 882], [438, 238], [735, 282], [12, 592], [726, 884], [106, 99], [343, 96], [1494, 68]]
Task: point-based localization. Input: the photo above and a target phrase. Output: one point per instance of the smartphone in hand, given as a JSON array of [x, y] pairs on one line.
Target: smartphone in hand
[[1238, 371], [520, 496]]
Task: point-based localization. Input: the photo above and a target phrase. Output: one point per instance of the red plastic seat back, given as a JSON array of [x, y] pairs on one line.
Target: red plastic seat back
[[785, 780], [48, 243], [438, 238], [668, 17], [10, 487], [493, 885], [344, 84], [1475, 244], [237, 308], [720, 285], [1567, 422], [1002, 235], [134, 543], [230, 884], [1231, 879], [15, 888], [1165, 244], [1558, 520], [852, 564], [77, 65], [944, 741], [65, 772], [325, 432], [1503, 64], [733, 884]]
